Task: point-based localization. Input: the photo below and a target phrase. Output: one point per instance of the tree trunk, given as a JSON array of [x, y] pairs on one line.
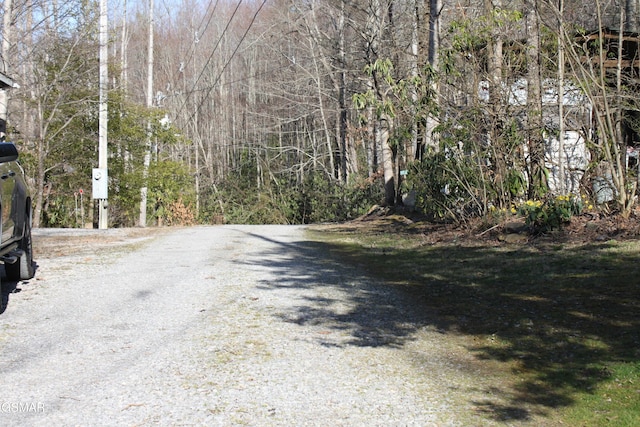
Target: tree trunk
[[42, 148], [388, 168], [342, 99], [494, 71], [632, 13], [432, 57], [537, 176], [6, 45], [412, 147], [627, 190], [562, 160], [124, 83]]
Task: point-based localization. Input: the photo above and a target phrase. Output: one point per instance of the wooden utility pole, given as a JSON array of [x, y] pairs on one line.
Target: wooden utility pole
[[103, 117], [147, 154]]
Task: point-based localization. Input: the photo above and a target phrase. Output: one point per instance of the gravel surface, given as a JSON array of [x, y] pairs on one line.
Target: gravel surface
[[223, 326]]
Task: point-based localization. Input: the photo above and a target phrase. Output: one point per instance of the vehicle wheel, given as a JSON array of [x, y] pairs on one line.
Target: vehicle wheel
[[23, 269], [4, 300]]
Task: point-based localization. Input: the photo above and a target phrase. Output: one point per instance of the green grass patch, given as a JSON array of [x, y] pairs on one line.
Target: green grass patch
[[566, 315], [613, 402]]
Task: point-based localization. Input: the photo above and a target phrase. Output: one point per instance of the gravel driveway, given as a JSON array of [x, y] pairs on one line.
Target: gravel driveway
[[223, 325]]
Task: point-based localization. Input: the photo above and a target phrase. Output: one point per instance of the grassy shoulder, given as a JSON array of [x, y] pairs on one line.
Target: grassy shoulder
[[562, 315]]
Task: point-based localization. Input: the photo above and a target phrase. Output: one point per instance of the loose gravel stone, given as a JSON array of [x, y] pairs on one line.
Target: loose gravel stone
[[223, 326]]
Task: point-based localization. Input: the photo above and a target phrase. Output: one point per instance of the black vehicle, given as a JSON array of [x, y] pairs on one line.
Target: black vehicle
[[16, 249]]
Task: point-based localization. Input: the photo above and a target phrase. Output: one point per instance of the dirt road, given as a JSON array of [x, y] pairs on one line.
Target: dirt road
[[225, 325]]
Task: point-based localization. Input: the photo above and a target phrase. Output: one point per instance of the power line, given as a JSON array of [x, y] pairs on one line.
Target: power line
[[199, 32], [217, 79], [204, 68], [241, 79]]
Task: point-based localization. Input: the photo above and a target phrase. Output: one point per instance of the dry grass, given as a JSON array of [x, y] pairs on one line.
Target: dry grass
[[48, 243]]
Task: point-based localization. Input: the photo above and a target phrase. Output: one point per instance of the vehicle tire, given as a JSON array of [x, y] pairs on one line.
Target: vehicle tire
[[23, 268], [4, 300]]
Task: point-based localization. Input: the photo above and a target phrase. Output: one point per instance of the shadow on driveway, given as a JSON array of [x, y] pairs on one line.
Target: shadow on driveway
[[561, 316]]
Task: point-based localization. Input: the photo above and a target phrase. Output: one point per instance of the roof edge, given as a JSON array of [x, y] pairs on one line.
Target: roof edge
[[6, 81]]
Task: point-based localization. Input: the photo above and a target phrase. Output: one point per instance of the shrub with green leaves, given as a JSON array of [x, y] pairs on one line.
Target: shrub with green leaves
[[171, 193], [283, 201], [553, 212], [448, 186]]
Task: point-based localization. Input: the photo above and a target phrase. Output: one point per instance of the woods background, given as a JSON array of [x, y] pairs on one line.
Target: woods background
[[287, 111]]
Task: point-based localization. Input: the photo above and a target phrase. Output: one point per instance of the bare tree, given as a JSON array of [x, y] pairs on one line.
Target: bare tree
[[536, 144], [603, 74], [56, 82]]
